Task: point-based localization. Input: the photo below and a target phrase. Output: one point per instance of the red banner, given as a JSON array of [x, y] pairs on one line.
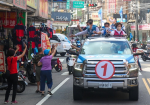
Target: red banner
[[45, 43], [10, 20], [2, 62]]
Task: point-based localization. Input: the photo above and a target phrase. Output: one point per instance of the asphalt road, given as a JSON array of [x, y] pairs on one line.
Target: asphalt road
[[63, 92]]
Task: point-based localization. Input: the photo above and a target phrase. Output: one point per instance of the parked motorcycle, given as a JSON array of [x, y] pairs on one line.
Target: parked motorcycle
[[56, 64], [20, 85], [28, 65], [145, 56]]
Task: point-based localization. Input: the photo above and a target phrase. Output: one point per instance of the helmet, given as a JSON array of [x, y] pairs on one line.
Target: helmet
[[134, 45]]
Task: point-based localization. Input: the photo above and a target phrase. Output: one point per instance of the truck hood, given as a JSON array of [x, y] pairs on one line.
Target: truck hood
[[129, 58]]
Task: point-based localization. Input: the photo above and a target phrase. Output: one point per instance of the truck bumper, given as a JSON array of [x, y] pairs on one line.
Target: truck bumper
[[117, 83]]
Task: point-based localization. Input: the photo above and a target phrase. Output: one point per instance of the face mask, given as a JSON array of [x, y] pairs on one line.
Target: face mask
[[119, 28], [88, 26]]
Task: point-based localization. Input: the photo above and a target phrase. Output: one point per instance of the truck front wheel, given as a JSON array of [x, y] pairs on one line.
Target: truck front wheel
[[77, 93], [134, 94]]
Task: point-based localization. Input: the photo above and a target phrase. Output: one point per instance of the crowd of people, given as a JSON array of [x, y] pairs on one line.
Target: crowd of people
[[42, 67], [92, 30]]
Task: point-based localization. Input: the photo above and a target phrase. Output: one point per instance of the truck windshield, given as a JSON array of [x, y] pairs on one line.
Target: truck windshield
[[106, 47]]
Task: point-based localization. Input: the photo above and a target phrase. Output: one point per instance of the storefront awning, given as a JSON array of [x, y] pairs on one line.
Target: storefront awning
[[5, 8]]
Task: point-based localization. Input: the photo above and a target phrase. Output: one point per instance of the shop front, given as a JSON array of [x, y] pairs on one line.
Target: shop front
[[96, 19], [61, 20], [144, 32]]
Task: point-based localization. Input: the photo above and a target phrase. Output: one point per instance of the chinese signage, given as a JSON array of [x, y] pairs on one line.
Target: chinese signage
[[141, 27], [49, 24], [78, 4], [119, 20], [10, 21], [20, 3], [68, 4], [60, 16], [43, 9], [2, 62], [32, 3], [95, 16], [45, 43], [22, 16]]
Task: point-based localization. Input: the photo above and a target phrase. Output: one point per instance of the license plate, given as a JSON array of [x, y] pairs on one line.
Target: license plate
[[105, 85]]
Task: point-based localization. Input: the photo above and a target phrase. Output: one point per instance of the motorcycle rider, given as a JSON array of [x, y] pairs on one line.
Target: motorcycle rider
[[90, 30], [148, 48], [37, 68], [134, 48]]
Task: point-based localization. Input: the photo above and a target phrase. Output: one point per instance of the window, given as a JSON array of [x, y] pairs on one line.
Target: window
[[54, 37]]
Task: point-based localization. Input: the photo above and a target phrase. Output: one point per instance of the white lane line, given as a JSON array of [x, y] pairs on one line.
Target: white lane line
[[61, 60], [53, 91], [65, 73], [140, 73], [141, 60]]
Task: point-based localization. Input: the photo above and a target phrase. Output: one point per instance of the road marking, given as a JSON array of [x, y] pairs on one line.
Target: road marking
[[53, 91], [140, 73], [61, 60], [141, 60], [146, 85], [65, 73]]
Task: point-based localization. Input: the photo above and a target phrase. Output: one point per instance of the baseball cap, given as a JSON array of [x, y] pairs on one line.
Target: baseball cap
[[46, 51]]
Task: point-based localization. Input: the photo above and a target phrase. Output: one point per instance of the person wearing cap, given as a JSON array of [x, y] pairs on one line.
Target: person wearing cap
[[45, 74]]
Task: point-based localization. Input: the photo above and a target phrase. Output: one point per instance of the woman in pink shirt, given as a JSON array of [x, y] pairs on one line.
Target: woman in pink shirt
[[46, 70]]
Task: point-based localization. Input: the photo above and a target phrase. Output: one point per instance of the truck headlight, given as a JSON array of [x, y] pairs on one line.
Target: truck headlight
[[132, 66], [79, 66]]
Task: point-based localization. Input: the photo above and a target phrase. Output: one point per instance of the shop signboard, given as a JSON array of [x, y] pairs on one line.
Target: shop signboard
[[141, 27], [43, 9], [10, 20], [22, 16], [58, 0], [95, 16], [61, 16], [32, 3], [20, 3], [68, 4], [2, 62], [49, 24], [78, 4]]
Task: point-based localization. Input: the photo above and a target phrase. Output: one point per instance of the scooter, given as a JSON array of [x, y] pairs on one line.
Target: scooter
[[56, 64], [70, 63], [28, 65], [20, 85], [145, 56]]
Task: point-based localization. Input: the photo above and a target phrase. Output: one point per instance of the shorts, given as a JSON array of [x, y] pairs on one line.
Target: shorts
[[38, 71]]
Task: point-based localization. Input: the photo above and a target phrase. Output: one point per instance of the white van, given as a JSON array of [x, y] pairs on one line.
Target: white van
[[64, 43]]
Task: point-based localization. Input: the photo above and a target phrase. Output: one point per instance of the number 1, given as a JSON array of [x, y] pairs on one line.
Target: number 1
[[105, 68]]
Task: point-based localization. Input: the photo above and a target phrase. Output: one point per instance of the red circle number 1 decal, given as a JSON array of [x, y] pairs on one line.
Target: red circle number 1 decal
[[105, 69]]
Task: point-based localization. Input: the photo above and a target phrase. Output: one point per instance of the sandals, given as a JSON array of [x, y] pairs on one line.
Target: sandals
[[50, 93], [37, 91]]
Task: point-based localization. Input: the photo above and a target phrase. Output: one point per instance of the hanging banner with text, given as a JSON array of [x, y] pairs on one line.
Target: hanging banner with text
[[45, 43], [2, 61]]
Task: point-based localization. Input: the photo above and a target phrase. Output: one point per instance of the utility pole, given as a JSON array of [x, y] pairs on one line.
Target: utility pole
[[136, 22], [88, 11]]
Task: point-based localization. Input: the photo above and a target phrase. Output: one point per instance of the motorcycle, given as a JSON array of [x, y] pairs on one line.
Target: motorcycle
[[56, 64], [70, 63], [20, 85], [145, 56], [28, 65]]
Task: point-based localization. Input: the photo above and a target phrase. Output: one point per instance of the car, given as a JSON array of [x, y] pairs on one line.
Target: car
[[122, 69], [64, 43]]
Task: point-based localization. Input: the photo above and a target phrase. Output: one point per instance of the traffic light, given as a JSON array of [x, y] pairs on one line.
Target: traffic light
[[91, 5]]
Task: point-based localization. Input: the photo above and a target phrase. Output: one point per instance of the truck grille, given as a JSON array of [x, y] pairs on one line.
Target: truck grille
[[89, 69]]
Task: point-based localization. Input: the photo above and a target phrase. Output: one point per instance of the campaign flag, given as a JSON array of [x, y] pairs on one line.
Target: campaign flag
[[121, 14], [45, 43], [100, 15], [131, 36]]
